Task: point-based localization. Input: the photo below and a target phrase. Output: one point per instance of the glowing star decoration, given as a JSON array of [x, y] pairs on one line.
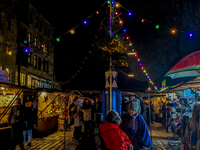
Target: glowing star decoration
[[142, 20]]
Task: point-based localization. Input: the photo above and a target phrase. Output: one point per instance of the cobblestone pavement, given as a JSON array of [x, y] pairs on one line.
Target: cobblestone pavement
[[55, 141]]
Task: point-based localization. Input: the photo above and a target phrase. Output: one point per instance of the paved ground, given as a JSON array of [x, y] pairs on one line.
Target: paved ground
[[55, 141]]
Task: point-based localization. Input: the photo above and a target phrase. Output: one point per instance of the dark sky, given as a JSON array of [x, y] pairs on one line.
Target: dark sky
[[73, 49]]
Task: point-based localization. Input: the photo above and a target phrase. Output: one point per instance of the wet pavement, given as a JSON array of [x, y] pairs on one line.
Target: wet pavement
[[55, 141]]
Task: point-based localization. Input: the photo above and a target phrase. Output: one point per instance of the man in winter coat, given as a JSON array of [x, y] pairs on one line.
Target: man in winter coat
[[77, 120], [16, 120], [29, 122], [114, 138], [134, 126]]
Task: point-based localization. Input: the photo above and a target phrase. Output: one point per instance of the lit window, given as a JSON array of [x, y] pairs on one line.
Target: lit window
[[9, 73], [35, 41], [35, 61], [29, 37], [22, 78]]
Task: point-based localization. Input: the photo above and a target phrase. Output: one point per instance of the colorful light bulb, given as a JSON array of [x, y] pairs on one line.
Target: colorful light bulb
[[120, 21], [58, 39], [97, 12], [157, 26], [142, 20]]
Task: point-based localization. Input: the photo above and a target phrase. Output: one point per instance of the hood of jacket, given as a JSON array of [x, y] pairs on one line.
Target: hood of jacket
[[107, 126], [78, 103]]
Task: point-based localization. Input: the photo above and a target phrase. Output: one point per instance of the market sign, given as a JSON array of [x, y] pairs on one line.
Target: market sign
[[4, 76]]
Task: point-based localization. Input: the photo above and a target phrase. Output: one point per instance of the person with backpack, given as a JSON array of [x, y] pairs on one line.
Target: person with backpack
[[113, 137], [16, 120], [134, 126]]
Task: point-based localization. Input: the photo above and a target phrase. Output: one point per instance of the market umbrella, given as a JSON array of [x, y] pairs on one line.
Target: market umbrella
[[189, 66]]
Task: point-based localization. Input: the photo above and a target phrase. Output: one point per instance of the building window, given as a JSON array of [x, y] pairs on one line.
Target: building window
[[29, 37], [29, 58], [35, 41], [44, 49], [39, 63], [29, 81], [31, 18], [44, 65], [35, 61], [47, 67], [9, 71], [10, 25], [22, 79], [0, 67]]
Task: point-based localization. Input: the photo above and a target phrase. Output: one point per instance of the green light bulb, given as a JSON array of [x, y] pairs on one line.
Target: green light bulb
[[116, 36], [58, 39], [157, 26]]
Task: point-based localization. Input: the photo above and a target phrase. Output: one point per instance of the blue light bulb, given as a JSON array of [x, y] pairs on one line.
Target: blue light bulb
[[124, 30]]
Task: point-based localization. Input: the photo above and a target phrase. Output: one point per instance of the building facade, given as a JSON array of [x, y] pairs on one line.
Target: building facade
[[26, 39]]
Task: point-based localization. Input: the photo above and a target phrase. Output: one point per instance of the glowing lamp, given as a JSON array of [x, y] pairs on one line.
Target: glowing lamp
[[142, 20], [85, 22], [116, 36], [146, 74], [120, 21], [2, 88], [144, 71], [108, 2], [130, 44], [116, 13], [142, 68], [9, 53], [97, 12], [150, 81], [148, 77], [140, 64], [129, 13], [138, 60], [124, 30], [127, 38], [135, 55]]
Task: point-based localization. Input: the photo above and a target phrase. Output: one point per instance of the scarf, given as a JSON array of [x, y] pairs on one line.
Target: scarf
[[132, 124]]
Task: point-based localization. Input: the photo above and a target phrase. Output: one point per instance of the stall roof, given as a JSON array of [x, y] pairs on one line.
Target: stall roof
[[195, 83], [126, 83]]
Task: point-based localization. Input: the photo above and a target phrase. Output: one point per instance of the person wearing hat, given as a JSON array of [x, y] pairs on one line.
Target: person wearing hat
[[134, 126], [113, 137]]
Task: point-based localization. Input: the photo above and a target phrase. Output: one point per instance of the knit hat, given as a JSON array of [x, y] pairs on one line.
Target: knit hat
[[134, 106], [113, 117]]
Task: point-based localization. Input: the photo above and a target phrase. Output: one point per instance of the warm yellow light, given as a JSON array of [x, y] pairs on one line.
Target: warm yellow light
[[130, 75], [120, 21], [173, 31], [149, 88], [117, 4], [43, 93], [131, 53], [9, 53], [72, 31], [138, 59], [2, 88], [130, 44]]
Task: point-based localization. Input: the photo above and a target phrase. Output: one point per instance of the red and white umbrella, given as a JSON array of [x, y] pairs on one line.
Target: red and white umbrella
[[189, 66]]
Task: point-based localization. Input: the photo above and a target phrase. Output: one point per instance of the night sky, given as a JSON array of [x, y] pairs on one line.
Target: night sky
[[158, 49]]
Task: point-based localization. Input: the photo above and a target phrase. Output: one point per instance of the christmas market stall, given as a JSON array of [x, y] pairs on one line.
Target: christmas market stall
[[52, 109]]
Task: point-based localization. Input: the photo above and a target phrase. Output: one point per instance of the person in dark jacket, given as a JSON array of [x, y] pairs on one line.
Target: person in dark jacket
[[134, 126], [125, 104], [16, 120], [29, 123], [113, 137], [143, 110]]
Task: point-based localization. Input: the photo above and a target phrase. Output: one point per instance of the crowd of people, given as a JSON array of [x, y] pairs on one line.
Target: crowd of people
[[129, 131]]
